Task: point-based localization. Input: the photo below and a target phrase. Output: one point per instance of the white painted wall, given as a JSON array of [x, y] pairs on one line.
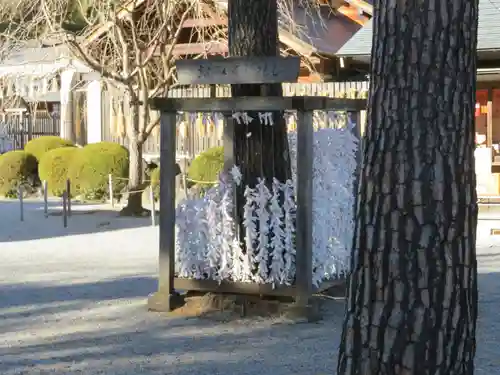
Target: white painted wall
[[94, 111], [68, 82], [487, 182]]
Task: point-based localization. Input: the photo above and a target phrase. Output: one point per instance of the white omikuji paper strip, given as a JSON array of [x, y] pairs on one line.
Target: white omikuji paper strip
[[206, 239]]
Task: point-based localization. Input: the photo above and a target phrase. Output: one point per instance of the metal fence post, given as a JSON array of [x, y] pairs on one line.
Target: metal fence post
[[153, 209], [110, 185], [65, 213], [45, 199], [68, 195], [21, 202]]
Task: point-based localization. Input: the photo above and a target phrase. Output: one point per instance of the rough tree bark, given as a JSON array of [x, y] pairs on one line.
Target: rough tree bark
[[135, 183], [260, 151], [412, 295]]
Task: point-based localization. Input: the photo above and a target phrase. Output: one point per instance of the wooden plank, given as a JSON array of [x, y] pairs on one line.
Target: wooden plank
[[328, 284], [304, 235], [238, 70], [167, 203], [233, 287], [257, 103]]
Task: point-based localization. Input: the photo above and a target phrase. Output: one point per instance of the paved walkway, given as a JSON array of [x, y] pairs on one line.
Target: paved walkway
[[72, 301]]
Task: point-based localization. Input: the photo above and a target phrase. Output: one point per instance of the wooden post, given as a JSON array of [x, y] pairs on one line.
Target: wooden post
[[153, 209], [29, 120], [45, 198], [64, 207], [304, 208], [230, 162], [228, 142], [55, 131], [68, 196], [20, 191], [110, 185], [22, 131], [489, 119], [166, 298], [184, 184], [167, 201]]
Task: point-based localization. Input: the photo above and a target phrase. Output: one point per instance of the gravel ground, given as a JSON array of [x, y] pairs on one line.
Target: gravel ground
[[72, 301]]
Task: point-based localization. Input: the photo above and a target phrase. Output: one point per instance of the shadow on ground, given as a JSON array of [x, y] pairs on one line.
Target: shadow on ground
[[17, 295], [103, 328], [85, 218]]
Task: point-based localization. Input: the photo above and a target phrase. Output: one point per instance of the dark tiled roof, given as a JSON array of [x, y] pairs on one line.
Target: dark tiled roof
[[324, 32], [488, 32]]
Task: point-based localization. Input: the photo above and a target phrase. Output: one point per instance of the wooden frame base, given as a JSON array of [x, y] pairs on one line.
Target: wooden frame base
[[302, 289], [233, 287]]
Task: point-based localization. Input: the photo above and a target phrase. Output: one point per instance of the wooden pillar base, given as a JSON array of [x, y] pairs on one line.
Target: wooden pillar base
[[163, 302]]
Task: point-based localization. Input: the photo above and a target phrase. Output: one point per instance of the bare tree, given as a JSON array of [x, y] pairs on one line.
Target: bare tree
[[132, 45]]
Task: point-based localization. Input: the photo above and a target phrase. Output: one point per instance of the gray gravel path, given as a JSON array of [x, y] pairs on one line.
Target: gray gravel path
[[72, 302]]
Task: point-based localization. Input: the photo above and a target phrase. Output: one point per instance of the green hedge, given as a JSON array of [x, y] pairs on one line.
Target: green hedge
[[155, 181], [16, 167], [54, 167], [92, 165], [207, 166], [39, 146]]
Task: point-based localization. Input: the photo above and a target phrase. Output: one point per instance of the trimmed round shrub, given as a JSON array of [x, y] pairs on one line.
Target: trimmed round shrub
[[155, 181], [39, 146], [91, 166], [105, 147], [16, 167], [54, 167], [149, 168], [207, 166]]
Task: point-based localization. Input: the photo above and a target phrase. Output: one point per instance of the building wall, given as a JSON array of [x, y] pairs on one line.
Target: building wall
[[202, 133], [487, 154]]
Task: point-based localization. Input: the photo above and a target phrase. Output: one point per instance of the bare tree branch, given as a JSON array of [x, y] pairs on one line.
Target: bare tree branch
[[131, 43]]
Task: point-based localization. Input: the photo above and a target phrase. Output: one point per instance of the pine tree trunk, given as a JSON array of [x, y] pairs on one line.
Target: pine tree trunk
[[412, 295], [260, 151]]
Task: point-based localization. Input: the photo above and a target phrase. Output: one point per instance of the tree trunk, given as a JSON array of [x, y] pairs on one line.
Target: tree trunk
[[412, 294], [135, 182], [260, 150]]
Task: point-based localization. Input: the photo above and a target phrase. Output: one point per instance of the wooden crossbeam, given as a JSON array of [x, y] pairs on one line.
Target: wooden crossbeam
[[258, 103]]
